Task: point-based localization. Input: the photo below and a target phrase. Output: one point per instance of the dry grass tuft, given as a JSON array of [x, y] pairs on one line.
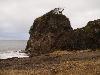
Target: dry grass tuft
[[64, 67]]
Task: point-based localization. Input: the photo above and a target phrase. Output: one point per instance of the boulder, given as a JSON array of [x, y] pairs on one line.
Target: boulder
[[46, 32]]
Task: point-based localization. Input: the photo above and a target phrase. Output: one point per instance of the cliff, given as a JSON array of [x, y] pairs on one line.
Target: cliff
[[53, 31], [46, 32]]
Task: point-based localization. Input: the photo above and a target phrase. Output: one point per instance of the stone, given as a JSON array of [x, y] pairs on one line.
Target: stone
[[53, 31], [46, 32]]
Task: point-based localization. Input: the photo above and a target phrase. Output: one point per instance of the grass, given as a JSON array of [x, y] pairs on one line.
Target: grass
[[67, 67]]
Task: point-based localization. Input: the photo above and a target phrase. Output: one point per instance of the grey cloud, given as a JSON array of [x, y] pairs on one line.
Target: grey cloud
[[16, 16]]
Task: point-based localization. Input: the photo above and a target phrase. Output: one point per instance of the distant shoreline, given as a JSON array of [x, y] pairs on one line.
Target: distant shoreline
[[13, 40], [10, 48]]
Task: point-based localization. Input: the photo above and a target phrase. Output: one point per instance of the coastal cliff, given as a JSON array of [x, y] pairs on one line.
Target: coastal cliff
[[46, 32], [53, 31]]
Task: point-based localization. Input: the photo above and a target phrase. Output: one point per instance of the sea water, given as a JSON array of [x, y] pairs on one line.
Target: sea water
[[12, 48]]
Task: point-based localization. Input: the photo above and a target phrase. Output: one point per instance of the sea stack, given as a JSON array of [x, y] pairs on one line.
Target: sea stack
[[46, 31]]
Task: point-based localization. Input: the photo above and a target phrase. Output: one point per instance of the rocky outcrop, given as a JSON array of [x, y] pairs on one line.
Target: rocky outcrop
[[53, 31], [46, 32], [92, 34], [88, 37]]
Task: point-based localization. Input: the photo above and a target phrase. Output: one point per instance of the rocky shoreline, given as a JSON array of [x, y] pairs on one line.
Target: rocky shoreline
[[48, 59], [56, 63]]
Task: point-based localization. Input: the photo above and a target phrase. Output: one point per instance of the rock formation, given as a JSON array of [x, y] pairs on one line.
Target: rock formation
[[46, 32], [53, 31]]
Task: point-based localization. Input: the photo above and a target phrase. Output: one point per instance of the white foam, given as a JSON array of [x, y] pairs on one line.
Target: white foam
[[10, 54]]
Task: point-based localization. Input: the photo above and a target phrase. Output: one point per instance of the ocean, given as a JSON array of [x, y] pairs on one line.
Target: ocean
[[12, 48]]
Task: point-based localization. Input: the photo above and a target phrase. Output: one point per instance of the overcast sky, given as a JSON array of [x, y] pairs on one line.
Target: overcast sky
[[16, 16]]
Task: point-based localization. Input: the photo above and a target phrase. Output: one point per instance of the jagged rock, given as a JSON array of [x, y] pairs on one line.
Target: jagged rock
[[88, 37], [46, 32], [92, 30], [53, 31]]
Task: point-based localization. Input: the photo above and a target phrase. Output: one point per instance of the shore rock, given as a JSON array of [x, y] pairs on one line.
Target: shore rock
[[53, 31], [46, 32], [88, 37]]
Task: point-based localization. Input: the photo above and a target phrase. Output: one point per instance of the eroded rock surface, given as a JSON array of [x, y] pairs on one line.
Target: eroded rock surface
[[53, 31], [46, 31]]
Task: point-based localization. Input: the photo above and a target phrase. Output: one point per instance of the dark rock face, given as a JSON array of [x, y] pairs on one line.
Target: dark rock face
[[88, 37], [46, 31], [53, 31], [92, 30]]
